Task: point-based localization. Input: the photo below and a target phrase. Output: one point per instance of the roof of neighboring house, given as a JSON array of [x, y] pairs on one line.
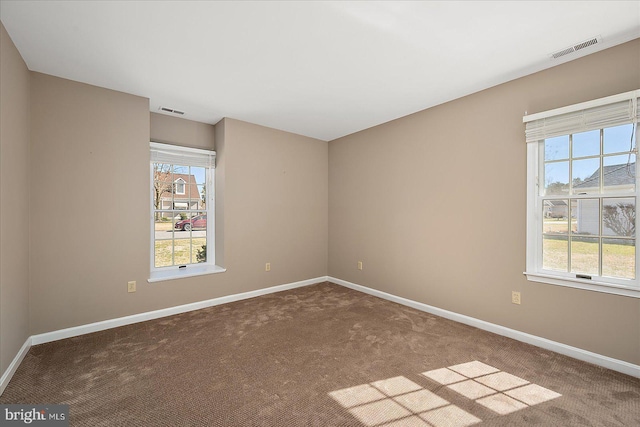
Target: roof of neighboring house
[[190, 188], [623, 174]]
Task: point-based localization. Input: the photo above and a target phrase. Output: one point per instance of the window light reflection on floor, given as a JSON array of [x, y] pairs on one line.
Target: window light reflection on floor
[[398, 401], [499, 391]]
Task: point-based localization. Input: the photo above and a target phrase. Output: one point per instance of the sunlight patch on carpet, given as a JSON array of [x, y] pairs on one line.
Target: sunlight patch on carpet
[[398, 401], [499, 391]]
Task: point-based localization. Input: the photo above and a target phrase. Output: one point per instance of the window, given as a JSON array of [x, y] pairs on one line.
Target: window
[[180, 185], [582, 194], [182, 212]]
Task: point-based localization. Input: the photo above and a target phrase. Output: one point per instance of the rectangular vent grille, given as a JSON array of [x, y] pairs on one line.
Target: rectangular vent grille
[[576, 47], [171, 110]]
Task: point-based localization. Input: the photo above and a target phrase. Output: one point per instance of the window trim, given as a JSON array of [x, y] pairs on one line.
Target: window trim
[[208, 267], [589, 285], [194, 271], [534, 271]]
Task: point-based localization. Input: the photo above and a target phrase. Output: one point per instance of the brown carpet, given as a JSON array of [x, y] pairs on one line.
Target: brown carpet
[[321, 355]]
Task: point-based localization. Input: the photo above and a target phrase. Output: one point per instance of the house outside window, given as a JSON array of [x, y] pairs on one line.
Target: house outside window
[[582, 193], [182, 210]]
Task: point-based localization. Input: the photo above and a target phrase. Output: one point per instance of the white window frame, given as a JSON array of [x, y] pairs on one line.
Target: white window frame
[[182, 182], [186, 156], [576, 113]]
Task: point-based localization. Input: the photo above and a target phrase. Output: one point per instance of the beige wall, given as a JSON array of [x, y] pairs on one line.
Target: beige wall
[[77, 194], [434, 205], [14, 201], [175, 130], [90, 231], [275, 205], [89, 203]]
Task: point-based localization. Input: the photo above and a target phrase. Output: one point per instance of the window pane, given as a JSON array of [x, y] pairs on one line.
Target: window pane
[[619, 139], [555, 213], [585, 255], [197, 184], [619, 258], [202, 194], [198, 250], [620, 173], [192, 196], [182, 251], [199, 175], [586, 143], [180, 171], [556, 178], [586, 176], [619, 217], [199, 224], [163, 256], [556, 148], [585, 216], [181, 221], [163, 226], [555, 253], [162, 172], [180, 186], [166, 204], [162, 185]]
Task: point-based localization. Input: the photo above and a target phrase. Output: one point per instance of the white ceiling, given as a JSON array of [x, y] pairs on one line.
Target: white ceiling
[[321, 69]]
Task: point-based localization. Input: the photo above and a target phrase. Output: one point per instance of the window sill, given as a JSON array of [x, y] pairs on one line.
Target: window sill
[[589, 285], [181, 273]]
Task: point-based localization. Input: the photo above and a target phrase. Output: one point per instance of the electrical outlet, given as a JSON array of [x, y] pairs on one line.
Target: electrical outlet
[[131, 286], [359, 265], [267, 267], [515, 297]]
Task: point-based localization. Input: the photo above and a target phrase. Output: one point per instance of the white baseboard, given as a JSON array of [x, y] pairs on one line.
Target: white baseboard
[[150, 315], [13, 366], [567, 350]]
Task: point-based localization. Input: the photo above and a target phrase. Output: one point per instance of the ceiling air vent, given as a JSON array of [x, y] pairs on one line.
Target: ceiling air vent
[[171, 110], [576, 47]]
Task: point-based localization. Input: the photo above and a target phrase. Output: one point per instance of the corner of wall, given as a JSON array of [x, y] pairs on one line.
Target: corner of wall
[[14, 197], [219, 132]]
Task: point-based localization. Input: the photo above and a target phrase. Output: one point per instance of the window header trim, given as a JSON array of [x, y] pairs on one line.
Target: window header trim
[[626, 96], [165, 153], [610, 111]]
